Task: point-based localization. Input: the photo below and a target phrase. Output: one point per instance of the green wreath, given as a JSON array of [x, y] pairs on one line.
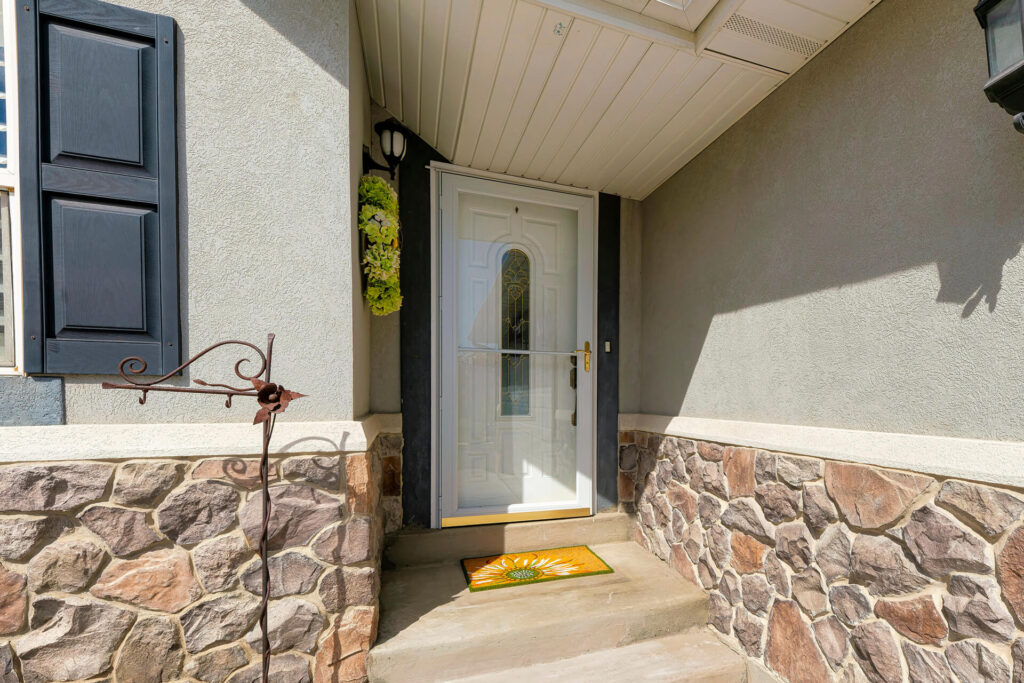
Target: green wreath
[[378, 221]]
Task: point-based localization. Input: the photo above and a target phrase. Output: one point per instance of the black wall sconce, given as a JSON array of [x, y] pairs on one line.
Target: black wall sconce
[[1003, 21], [392, 146]]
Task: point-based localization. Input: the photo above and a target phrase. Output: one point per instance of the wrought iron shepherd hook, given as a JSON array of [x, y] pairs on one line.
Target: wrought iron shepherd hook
[[272, 399]]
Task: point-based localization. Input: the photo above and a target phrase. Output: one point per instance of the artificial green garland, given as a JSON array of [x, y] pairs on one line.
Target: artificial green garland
[[378, 221]]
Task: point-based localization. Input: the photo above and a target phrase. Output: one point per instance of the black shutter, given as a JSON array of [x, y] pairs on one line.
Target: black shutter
[[98, 173]]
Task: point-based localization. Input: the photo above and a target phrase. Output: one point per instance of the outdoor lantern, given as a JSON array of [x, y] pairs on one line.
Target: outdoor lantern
[[1003, 21], [392, 146]]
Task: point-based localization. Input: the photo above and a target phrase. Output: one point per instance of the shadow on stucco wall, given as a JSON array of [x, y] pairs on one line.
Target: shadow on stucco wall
[[294, 21], [819, 262], [975, 272]]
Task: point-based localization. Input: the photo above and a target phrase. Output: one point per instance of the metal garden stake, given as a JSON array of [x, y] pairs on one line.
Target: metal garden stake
[[272, 399]]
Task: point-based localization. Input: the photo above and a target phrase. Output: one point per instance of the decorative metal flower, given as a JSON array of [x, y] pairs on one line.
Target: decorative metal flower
[[273, 399]]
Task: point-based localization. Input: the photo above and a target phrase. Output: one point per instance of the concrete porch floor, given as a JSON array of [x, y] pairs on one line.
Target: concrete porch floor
[[642, 622]]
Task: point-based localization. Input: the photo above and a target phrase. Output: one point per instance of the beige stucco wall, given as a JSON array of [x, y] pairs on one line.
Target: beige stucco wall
[[266, 208], [359, 134], [385, 331], [847, 254]]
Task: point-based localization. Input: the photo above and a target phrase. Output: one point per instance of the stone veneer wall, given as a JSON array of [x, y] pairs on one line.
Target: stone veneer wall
[[145, 570], [829, 571]]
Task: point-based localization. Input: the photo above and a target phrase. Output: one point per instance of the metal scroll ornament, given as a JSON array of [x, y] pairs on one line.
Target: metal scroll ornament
[[272, 400]]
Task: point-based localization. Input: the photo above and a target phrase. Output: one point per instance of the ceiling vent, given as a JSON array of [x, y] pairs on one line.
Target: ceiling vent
[[772, 35]]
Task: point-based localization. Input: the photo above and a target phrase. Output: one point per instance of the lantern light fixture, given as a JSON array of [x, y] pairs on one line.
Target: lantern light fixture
[[392, 146], [1003, 21]]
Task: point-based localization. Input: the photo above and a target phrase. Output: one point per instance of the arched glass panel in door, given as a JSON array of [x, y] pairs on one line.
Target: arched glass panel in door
[[515, 333]]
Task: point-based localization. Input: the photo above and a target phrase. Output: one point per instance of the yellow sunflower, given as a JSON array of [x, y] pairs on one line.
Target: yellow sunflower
[[508, 569]]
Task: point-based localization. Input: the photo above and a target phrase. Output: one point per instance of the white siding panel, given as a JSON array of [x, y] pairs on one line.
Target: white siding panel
[[730, 43], [465, 15], [582, 35], [435, 41], [411, 36], [495, 19], [632, 5], [522, 37], [517, 87], [545, 51], [618, 75], [686, 120], [748, 90], [391, 55], [794, 18], [604, 52], [670, 15], [674, 89], [585, 162], [698, 10], [844, 10], [366, 11]]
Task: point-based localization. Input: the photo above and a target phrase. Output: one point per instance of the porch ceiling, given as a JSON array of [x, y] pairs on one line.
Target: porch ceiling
[[609, 95]]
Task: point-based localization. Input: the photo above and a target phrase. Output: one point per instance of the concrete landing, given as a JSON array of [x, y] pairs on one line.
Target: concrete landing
[[433, 629], [411, 547], [695, 657]]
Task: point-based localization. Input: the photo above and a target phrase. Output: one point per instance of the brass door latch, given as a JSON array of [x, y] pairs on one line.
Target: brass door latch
[[586, 356]]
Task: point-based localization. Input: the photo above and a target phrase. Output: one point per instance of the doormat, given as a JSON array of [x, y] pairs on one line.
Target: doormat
[[535, 566]]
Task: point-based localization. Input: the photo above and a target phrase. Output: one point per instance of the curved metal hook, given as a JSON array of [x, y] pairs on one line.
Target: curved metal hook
[[137, 366]]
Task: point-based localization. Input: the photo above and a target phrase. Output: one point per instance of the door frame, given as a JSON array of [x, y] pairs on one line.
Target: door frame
[[436, 170]]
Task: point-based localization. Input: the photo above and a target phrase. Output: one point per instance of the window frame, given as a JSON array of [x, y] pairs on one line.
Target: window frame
[[10, 180]]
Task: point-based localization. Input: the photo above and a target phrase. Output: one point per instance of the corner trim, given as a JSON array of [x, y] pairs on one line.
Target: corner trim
[[994, 462], [118, 441]]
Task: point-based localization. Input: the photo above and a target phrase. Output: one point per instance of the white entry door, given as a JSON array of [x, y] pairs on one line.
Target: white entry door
[[517, 363]]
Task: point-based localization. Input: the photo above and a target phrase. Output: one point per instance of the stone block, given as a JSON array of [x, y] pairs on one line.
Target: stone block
[[143, 484], [196, 512], [125, 532], [66, 565], [161, 580], [872, 498], [60, 487], [321, 470], [152, 652], [916, 619], [875, 649], [291, 573], [55, 652], [297, 513]]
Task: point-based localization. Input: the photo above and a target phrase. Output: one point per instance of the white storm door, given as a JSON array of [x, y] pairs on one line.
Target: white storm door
[[517, 307]]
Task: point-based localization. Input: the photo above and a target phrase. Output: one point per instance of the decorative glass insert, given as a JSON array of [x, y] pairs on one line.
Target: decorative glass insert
[[6, 293], [515, 333], [3, 94]]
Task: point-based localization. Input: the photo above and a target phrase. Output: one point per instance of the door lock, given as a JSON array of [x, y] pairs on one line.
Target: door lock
[[586, 356]]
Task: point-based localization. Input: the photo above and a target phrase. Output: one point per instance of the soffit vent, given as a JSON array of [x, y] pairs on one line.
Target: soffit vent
[[773, 35]]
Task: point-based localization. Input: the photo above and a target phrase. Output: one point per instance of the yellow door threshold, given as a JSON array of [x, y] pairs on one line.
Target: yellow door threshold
[[473, 520]]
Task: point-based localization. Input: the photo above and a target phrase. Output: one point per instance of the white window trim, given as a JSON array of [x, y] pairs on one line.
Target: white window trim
[[10, 180]]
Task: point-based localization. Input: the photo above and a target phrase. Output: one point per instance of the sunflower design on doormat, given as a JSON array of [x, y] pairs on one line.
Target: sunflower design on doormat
[[514, 569]]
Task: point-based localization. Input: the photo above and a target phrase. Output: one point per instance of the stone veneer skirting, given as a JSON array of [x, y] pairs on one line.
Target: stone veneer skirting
[[145, 570], [831, 571]]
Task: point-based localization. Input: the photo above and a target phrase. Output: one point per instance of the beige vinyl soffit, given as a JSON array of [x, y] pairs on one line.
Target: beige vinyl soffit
[[607, 95], [994, 462]]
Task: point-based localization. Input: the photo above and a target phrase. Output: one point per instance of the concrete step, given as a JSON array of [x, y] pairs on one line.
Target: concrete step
[[429, 546], [433, 629], [694, 657]]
